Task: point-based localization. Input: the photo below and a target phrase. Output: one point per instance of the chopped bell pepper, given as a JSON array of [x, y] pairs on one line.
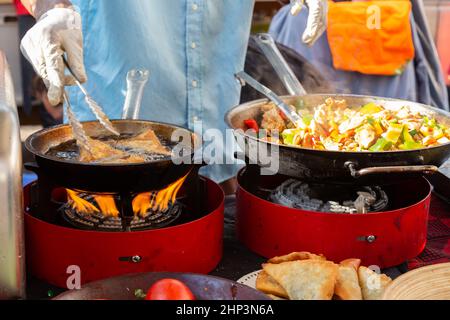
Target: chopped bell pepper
[[394, 132], [431, 128], [406, 135], [381, 145], [410, 145], [307, 118], [371, 108], [376, 124], [251, 124], [408, 141], [429, 123], [288, 136]]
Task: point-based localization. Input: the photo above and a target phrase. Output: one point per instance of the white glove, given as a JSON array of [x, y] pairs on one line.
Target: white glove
[[57, 31], [317, 18]]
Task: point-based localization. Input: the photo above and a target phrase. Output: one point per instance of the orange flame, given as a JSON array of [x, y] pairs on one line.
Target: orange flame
[[141, 203], [107, 205], [156, 201], [80, 204]]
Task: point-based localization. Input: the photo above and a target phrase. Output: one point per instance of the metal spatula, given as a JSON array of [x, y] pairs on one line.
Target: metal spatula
[[95, 108]]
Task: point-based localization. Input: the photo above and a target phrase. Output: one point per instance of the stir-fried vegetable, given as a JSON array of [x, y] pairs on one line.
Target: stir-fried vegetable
[[334, 126]]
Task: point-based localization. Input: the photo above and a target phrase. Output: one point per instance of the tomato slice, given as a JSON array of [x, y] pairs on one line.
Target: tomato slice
[[169, 289]]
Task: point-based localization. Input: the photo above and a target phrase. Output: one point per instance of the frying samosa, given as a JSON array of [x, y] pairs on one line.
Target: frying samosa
[[147, 142], [104, 153]]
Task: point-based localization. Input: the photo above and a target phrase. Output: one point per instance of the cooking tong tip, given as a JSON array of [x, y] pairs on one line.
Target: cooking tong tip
[[95, 108]]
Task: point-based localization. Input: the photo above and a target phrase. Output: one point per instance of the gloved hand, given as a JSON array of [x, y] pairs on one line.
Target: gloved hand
[[317, 18], [57, 31]]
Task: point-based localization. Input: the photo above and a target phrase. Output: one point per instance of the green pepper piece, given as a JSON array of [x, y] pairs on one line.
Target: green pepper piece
[[406, 135], [381, 145], [429, 122], [410, 145], [288, 136]]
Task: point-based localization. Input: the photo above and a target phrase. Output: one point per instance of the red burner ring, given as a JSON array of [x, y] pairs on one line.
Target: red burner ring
[[384, 239], [195, 246]]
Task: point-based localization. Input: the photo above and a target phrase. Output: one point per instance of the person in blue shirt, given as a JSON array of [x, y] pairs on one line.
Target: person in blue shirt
[[192, 49], [420, 81]]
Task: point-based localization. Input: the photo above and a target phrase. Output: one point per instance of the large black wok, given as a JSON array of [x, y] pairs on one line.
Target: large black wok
[[340, 166], [147, 176]]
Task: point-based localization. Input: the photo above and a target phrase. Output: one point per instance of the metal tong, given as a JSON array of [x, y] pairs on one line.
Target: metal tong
[[77, 128], [287, 76], [267, 45], [95, 108], [290, 113]]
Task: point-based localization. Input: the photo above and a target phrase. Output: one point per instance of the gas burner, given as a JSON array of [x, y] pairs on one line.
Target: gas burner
[[98, 221], [329, 198]]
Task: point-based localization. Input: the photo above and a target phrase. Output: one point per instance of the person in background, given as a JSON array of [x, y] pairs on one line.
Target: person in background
[[397, 59], [50, 115], [26, 22], [192, 48]]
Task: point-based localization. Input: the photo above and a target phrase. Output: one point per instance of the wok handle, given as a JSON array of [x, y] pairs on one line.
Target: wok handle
[[357, 173]]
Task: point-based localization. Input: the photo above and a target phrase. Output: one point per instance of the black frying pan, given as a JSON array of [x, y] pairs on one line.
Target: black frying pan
[[340, 166], [140, 177]]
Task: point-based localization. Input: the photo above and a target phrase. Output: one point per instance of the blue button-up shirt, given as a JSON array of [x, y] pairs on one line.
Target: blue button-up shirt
[[192, 49]]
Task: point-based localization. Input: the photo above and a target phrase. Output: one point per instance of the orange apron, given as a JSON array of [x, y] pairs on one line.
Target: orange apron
[[371, 37]]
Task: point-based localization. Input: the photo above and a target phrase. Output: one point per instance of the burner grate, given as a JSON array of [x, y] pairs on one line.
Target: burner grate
[[329, 198], [100, 222]]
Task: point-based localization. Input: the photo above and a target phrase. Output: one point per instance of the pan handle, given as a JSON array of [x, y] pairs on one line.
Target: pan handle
[[357, 173]]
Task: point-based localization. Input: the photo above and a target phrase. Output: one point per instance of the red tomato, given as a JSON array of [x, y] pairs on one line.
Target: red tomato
[[169, 289]]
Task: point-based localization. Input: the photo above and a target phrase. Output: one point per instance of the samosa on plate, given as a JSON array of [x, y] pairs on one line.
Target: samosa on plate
[[305, 279], [372, 284], [347, 282], [294, 256]]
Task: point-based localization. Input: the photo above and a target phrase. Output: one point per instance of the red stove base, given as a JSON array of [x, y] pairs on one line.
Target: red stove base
[[191, 247], [271, 230]]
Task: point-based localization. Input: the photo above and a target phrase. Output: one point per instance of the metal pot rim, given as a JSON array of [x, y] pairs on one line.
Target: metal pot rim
[[31, 148], [264, 101]]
